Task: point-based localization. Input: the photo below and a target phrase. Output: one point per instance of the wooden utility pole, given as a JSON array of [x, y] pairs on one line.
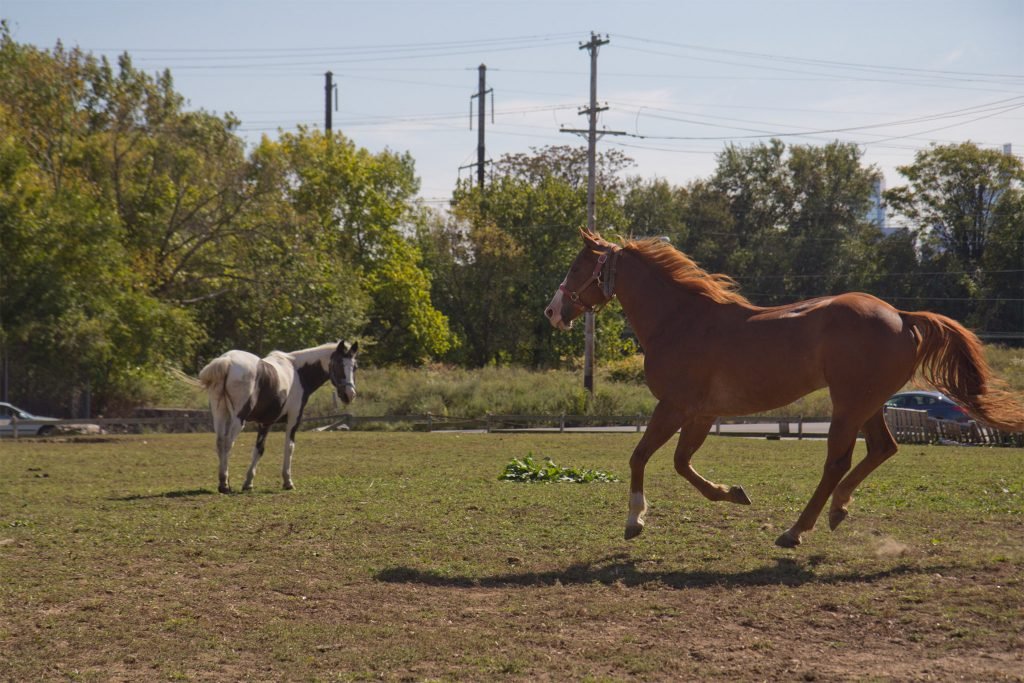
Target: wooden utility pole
[[481, 117], [329, 90], [592, 135]]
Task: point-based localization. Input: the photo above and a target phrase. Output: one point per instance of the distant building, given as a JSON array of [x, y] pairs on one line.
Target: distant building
[[876, 212]]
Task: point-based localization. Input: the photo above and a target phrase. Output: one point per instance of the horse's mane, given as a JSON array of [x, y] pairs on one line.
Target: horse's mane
[[681, 269]]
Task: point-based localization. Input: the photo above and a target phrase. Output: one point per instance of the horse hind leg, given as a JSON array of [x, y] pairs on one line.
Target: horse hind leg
[[227, 431], [842, 437], [881, 447], [692, 438], [257, 453]]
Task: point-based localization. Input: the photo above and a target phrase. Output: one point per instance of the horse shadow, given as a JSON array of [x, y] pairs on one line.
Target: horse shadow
[[167, 494], [621, 570]]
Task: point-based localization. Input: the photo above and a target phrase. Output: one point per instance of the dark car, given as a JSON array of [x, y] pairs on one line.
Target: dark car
[[27, 422], [937, 405]]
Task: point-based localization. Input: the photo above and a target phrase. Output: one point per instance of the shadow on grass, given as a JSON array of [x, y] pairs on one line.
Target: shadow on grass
[[168, 494], [617, 570]]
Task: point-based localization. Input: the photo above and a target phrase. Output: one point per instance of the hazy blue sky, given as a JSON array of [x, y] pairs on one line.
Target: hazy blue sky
[[690, 77]]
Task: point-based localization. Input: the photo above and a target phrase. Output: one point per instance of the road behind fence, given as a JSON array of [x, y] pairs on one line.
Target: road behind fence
[[908, 426]]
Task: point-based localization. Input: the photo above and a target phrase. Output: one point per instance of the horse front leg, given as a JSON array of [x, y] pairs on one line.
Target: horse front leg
[[664, 423], [257, 453], [695, 431], [289, 448]]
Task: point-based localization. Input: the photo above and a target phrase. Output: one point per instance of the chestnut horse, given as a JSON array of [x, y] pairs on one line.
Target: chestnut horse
[[708, 352]]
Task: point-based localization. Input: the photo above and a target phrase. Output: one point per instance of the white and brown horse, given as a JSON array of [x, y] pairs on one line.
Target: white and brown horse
[[244, 387]]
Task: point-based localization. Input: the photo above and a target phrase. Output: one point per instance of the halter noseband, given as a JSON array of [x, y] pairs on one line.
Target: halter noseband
[[607, 261]]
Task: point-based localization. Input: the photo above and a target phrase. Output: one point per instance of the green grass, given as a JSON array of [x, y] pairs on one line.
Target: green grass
[[402, 556]]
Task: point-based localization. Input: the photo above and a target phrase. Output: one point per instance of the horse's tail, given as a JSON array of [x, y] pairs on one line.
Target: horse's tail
[[213, 378], [185, 378], [950, 358]]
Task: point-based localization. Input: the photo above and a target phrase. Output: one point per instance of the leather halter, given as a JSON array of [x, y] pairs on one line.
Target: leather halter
[[605, 262], [343, 383]]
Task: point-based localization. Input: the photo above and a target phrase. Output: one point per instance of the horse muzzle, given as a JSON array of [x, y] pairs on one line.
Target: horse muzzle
[[561, 311]]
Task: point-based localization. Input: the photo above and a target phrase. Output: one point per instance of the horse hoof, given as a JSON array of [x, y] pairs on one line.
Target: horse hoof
[[289, 486], [224, 489], [247, 488], [836, 517], [738, 495], [634, 530], [787, 540]]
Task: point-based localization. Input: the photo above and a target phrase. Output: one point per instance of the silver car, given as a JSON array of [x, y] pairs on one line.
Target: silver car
[[27, 423]]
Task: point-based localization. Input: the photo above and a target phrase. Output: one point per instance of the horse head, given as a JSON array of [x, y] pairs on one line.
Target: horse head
[[589, 283], [343, 370]]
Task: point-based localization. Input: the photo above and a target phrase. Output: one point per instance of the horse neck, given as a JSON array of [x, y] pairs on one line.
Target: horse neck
[[312, 366], [650, 301]]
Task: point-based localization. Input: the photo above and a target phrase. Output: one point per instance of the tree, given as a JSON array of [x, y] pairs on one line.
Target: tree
[[786, 223], [358, 206], [964, 205], [957, 195], [74, 311], [504, 250]]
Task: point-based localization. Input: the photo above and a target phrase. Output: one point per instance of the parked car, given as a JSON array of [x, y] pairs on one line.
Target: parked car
[[937, 405], [28, 424]]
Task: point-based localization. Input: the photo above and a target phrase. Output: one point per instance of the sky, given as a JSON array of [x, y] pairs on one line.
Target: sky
[[680, 79]]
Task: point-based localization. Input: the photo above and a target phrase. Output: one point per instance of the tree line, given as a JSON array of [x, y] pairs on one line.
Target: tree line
[[137, 235]]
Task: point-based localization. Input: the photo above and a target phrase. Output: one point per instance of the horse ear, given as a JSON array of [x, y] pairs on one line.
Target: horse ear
[[354, 349], [590, 238], [341, 346]]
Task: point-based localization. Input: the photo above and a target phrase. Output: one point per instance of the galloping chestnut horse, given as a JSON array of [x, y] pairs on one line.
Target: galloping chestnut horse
[[709, 353]]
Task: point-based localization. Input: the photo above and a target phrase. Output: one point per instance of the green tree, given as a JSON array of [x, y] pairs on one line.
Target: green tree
[[786, 223], [963, 204], [359, 206], [76, 317], [514, 243], [957, 196]]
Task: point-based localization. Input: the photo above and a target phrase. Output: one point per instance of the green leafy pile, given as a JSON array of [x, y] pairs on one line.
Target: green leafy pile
[[528, 470]]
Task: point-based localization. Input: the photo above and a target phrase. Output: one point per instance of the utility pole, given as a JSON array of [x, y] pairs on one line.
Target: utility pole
[[481, 116], [329, 89], [592, 135]]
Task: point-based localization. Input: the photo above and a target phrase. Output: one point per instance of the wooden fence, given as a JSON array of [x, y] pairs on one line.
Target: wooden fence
[[915, 426]]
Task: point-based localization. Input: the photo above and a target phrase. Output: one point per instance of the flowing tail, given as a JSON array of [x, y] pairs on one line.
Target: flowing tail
[[185, 378], [950, 358], [213, 378]]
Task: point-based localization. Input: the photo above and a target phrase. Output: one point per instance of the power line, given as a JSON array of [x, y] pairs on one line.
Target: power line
[[826, 62]]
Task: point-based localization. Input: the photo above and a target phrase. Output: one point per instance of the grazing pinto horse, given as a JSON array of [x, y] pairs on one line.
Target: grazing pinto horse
[[709, 353], [243, 387]]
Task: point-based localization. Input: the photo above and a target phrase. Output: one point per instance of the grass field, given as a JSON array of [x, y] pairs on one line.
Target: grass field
[[402, 557]]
